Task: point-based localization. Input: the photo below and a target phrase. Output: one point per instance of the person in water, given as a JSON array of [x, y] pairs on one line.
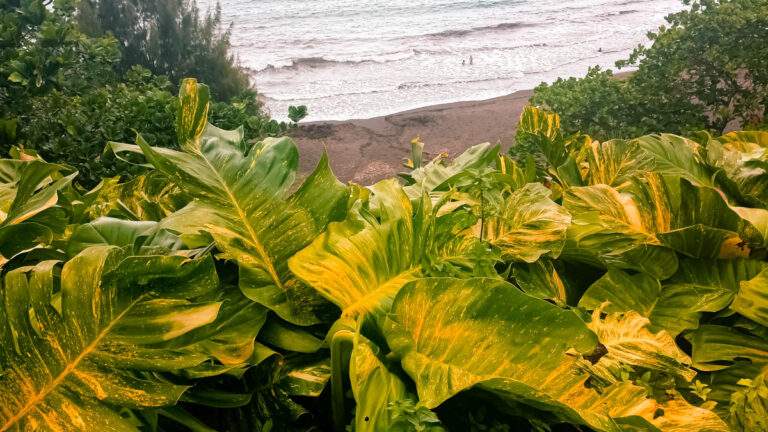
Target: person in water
[[470, 59]]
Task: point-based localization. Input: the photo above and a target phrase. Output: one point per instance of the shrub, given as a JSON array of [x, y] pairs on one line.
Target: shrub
[[704, 70]]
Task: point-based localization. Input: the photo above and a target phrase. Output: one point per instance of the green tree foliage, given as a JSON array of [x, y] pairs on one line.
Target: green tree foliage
[[42, 50], [623, 286], [73, 128], [705, 69], [171, 38], [65, 94]]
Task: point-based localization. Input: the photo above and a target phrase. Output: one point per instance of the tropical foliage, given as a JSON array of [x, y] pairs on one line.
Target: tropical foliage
[[173, 38], [704, 69], [67, 86], [621, 285]]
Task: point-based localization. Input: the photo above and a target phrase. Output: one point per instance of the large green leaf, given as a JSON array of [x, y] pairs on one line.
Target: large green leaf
[[360, 264], [287, 337], [454, 334], [630, 343], [705, 226], [615, 163], [625, 229], [716, 347], [541, 279], [752, 298], [618, 229], [241, 199], [674, 155], [743, 159], [66, 369], [29, 212], [435, 173], [742, 138], [148, 197], [123, 233], [374, 386], [672, 307], [231, 338], [528, 225]]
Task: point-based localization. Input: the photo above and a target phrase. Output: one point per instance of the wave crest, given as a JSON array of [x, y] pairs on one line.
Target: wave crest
[[482, 29]]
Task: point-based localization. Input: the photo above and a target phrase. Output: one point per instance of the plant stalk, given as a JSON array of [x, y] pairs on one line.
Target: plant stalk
[[341, 348]]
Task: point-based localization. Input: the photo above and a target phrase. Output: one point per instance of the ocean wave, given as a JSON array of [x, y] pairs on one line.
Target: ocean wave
[[318, 62], [424, 84], [482, 29], [615, 13], [384, 58]]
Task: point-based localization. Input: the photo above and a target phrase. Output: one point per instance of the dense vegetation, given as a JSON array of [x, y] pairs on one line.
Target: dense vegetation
[[622, 287], [170, 38], [64, 92], [705, 70]]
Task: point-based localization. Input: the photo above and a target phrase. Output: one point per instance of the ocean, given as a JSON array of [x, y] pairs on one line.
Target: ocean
[[349, 59]]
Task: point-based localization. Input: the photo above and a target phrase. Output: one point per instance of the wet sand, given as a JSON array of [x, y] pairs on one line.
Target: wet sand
[[364, 151]]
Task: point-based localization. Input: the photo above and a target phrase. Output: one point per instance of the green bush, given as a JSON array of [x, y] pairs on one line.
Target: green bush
[[598, 102], [171, 38], [704, 70], [73, 128], [64, 94]]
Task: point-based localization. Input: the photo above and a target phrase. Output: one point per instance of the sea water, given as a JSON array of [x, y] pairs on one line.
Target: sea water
[[362, 58]]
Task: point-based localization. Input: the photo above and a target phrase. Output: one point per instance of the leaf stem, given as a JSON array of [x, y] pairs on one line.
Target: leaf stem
[[341, 347]]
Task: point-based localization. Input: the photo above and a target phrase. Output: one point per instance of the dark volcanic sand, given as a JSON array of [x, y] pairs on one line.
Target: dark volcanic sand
[[364, 151]]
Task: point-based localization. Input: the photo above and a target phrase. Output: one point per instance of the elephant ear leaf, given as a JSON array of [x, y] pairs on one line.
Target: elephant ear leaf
[[676, 306], [194, 102], [752, 298], [528, 225], [360, 264], [675, 156], [375, 388], [629, 342], [434, 174], [241, 199], [74, 365], [706, 226], [615, 163], [354, 263], [613, 228], [542, 280], [455, 334], [717, 347], [28, 202], [745, 139]]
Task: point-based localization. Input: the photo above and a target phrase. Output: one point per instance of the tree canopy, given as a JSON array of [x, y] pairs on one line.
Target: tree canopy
[[169, 37], [65, 91], [706, 68]]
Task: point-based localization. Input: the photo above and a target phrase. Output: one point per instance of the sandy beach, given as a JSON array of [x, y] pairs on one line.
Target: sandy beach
[[367, 150]]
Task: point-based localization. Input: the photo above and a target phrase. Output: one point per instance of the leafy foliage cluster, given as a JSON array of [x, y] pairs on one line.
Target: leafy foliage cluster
[[622, 286], [64, 93], [170, 38], [706, 69]]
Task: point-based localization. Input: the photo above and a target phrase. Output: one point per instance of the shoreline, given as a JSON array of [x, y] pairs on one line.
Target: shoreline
[[367, 150]]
